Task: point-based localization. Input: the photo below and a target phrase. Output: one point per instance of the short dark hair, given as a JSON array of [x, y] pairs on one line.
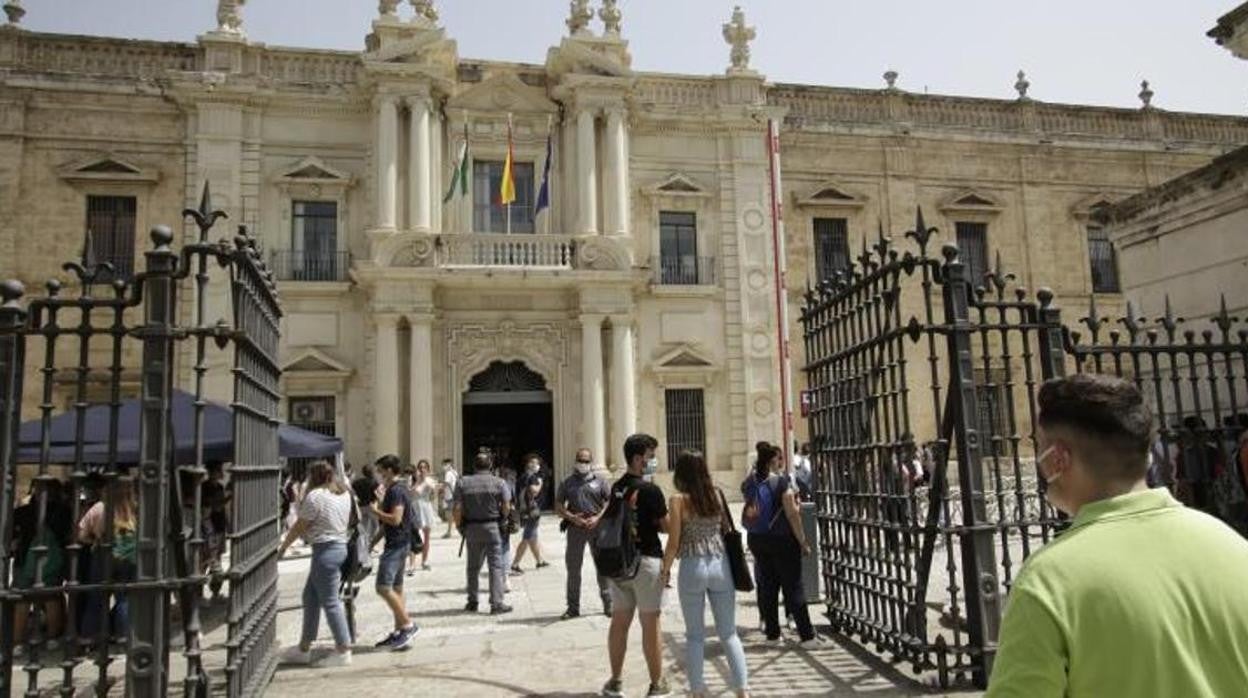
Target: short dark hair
[[390, 462], [637, 445], [1108, 414], [482, 463]]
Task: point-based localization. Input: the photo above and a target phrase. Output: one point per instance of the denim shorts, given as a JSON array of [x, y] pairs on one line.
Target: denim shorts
[[390, 568], [529, 532]]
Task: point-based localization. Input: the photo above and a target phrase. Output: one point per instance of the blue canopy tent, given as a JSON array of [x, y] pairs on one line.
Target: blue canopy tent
[[218, 435]]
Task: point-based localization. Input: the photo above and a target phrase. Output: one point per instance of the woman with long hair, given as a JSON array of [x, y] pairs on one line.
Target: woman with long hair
[[778, 541], [424, 496], [696, 521], [112, 556], [323, 523], [528, 503]]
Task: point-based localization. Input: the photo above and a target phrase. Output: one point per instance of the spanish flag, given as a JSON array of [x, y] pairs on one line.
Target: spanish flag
[[507, 191]]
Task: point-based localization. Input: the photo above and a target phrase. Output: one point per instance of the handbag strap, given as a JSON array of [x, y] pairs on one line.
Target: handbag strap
[[723, 512]]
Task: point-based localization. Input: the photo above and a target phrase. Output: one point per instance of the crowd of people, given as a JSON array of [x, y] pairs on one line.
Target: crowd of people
[[97, 549], [620, 523]]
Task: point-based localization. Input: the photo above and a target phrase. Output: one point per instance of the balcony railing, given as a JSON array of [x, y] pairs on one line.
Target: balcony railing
[[683, 271], [301, 265], [497, 250]]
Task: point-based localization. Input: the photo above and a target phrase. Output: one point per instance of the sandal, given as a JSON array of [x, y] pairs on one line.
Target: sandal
[[516, 570]]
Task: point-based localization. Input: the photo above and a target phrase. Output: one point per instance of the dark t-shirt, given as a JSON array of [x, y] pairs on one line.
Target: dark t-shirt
[[58, 519], [365, 490], [778, 484], [397, 536], [651, 508]]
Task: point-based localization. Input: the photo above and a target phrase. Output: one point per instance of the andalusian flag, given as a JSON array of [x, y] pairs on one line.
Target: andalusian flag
[[459, 178], [507, 191]]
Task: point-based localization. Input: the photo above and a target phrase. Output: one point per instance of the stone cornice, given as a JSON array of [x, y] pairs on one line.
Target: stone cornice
[[1216, 175]]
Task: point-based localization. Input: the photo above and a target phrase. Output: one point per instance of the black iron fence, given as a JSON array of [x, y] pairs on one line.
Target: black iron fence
[[922, 418], [103, 567]]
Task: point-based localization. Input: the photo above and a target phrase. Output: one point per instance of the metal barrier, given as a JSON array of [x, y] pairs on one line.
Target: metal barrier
[[138, 572], [905, 356]]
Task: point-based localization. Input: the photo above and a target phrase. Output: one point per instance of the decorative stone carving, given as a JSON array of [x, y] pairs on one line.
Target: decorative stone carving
[[1146, 95], [1021, 86], [890, 79], [426, 13], [601, 254], [542, 346], [610, 15], [229, 16], [388, 9], [14, 11], [739, 36], [579, 17]]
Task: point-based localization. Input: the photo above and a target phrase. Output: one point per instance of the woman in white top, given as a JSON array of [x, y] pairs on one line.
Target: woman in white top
[[424, 496], [323, 523]]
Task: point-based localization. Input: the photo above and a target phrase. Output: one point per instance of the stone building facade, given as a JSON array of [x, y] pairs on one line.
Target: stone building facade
[[641, 299]]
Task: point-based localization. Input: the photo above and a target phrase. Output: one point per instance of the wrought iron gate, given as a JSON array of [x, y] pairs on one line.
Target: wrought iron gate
[[143, 555], [910, 365]]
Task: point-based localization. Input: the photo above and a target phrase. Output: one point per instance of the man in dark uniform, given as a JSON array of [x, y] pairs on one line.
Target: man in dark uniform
[[481, 502], [580, 501]]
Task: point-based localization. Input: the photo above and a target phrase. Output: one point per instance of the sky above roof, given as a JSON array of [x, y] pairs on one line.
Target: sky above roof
[[1082, 52]]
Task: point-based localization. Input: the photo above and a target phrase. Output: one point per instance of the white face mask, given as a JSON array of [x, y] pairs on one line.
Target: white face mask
[[652, 465], [1048, 479], [583, 467]]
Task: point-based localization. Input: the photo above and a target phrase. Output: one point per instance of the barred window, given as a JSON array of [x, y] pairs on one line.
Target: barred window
[[111, 220], [973, 250], [831, 247], [1104, 261], [990, 399], [314, 413], [678, 247], [686, 422], [314, 231]]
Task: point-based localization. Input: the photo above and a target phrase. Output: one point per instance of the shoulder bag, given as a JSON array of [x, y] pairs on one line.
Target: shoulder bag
[[733, 548]]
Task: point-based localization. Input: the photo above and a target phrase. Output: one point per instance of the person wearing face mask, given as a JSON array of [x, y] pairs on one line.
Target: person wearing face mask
[[579, 502], [1141, 596], [528, 492]]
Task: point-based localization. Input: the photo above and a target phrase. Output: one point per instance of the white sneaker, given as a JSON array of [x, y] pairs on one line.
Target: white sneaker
[[335, 659], [294, 655], [812, 643]]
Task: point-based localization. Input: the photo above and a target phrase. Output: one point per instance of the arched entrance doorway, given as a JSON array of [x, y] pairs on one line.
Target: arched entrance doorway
[[508, 409]]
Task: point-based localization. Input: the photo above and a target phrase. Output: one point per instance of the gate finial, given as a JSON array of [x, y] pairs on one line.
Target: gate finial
[[11, 291], [921, 233], [88, 268], [206, 216], [999, 277], [1223, 319], [1168, 321]]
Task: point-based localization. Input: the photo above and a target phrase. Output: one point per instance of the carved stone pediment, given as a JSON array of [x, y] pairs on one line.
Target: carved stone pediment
[[971, 201], [314, 361], [1085, 208], [107, 167], [677, 184], [831, 193], [313, 170], [685, 364], [504, 92]]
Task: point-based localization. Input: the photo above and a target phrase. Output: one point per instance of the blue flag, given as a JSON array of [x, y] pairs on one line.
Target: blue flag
[[543, 194]]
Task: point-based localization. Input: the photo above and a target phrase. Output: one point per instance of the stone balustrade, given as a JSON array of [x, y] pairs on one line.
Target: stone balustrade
[[495, 250], [304, 68], [92, 56]]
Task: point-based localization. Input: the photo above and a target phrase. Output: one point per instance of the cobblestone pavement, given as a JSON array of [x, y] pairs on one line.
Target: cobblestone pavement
[[532, 653]]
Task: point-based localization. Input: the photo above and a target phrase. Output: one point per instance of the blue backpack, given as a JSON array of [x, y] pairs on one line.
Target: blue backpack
[[763, 507]]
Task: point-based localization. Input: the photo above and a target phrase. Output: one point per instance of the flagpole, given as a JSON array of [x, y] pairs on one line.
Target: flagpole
[[550, 152], [513, 165]]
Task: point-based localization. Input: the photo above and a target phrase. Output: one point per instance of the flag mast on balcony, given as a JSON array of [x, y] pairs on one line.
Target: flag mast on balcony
[[543, 194], [507, 191]]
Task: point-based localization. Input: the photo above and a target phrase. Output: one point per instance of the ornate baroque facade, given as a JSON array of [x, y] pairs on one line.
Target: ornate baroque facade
[[641, 299]]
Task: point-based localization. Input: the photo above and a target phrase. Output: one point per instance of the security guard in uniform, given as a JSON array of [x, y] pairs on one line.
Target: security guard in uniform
[[580, 501], [481, 502]]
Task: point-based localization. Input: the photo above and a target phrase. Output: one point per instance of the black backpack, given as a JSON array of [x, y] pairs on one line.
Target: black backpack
[[615, 539]]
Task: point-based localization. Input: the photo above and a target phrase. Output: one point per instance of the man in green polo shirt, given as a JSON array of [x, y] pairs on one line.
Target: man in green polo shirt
[[1141, 597]]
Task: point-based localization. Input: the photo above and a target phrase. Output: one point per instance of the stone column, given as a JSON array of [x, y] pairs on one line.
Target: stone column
[[386, 387], [421, 412], [586, 173], [592, 386], [615, 194], [386, 156], [623, 381], [418, 165], [436, 184]]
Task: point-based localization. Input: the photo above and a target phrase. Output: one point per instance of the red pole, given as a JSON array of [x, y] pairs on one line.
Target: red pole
[[782, 305]]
